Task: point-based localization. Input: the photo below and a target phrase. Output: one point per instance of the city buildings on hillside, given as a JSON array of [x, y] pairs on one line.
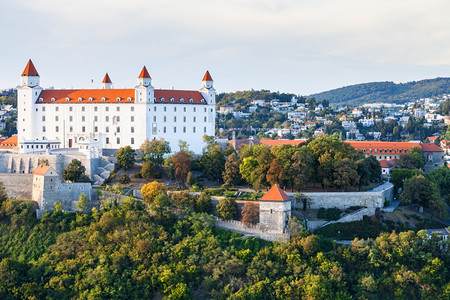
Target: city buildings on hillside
[[95, 119]]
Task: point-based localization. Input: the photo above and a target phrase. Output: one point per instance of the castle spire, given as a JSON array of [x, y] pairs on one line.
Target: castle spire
[[144, 78], [106, 83], [30, 70]]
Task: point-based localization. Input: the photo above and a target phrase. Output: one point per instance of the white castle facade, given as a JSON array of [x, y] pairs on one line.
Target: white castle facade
[[107, 118]]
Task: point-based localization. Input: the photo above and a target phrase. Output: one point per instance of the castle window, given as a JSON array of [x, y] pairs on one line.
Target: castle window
[[184, 119], [132, 118], [204, 118], [107, 129], [57, 108], [70, 118], [83, 118], [67, 99], [132, 141], [202, 100], [154, 118], [41, 99], [118, 99], [175, 118], [184, 109], [132, 129], [118, 129], [95, 129], [56, 118], [175, 129], [53, 99], [90, 99], [193, 129], [154, 108], [117, 118], [83, 129], [181, 99], [103, 99], [118, 141], [95, 118], [164, 129], [71, 129], [107, 140], [70, 108], [191, 100], [195, 119], [43, 118], [195, 109], [205, 109], [43, 128], [162, 99], [164, 118], [129, 99], [172, 99], [80, 99], [164, 108], [107, 108], [107, 118], [118, 108], [184, 129], [204, 129], [37, 109], [57, 129]]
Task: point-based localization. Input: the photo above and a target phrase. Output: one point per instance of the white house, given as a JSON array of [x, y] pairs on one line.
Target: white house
[[112, 118]]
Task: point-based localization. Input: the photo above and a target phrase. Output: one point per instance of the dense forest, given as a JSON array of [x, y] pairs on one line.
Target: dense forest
[[134, 251], [386, 91]]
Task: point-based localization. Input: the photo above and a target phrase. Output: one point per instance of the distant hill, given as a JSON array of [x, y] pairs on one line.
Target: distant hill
[[385, 92]]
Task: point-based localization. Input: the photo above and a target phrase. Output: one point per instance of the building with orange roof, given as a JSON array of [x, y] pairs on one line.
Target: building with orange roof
[[275, 210], [110, 118], [271, 143], [9, 143]]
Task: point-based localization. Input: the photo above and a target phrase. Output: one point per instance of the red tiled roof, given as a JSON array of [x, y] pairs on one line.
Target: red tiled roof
[[9, 143], [271, 143], [310, 123], [382, 147], [30, 70], [207, 77], [432, 138], [106, 79], [430, 147], [275, 194], [144, 73], [83, 96], [387, 163], [41, 170], [177, 97]]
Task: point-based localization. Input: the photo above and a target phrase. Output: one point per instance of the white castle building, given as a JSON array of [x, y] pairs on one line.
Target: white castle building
[[107, 118]]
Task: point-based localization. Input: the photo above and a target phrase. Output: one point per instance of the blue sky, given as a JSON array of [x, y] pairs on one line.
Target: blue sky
[[298, 46]]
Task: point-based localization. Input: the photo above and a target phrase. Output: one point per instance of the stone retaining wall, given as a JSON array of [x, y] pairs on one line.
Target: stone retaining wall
[[268, 235], [17, 186]]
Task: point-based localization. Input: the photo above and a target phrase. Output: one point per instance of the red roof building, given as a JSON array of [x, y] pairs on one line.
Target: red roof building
[[275, 194]]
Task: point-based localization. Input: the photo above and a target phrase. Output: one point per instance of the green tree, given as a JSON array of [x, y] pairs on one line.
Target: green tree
[[414, 159], [82, 202], [345, 173], [231, 175], [190, 179], [441, 177], [301, 169], [398, 176], [247, 169], [212, 162], [75, 172], [155, 150], [227, 209], [125, 157], [419, 190], [203, 203]]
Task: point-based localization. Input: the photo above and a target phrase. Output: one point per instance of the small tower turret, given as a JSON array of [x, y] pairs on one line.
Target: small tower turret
[[207, 81], [30, 76], [207, 90], [106, 83], [144, 78]]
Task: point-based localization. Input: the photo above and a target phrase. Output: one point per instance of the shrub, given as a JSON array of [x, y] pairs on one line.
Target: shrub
[[329, 214], [124, 179]]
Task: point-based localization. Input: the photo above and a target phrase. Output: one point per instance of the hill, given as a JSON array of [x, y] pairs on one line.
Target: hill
[[386, 91]]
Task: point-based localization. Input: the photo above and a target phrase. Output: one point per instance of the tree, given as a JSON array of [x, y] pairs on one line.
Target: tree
[[75, 172], [301, 169], [441, 177], [212, 162], [3, 194], [247, 169], [82, 202], [155, 150], [275, 174], [345, 173], [182, 164], [203, 203], [231, 175], [190, 179], [250, 213], [150, 170], [227, 209], [414, 159], [125, 157], [419, 190], [151, 190], [398, 176], [264, 160]]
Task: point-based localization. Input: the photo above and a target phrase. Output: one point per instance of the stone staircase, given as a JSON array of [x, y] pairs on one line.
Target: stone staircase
[[103, 170]]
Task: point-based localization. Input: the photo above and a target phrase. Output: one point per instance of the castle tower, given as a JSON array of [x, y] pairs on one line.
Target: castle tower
[[27, 96], [274, 210], [106, 83], [45, 180], [207, 89]]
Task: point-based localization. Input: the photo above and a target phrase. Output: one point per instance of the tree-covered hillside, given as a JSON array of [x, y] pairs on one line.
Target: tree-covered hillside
[[386, 92]]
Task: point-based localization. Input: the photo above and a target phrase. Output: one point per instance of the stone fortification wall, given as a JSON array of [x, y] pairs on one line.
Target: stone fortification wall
[[65, 193], [254, 230], [17, 185], [21, 163]]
